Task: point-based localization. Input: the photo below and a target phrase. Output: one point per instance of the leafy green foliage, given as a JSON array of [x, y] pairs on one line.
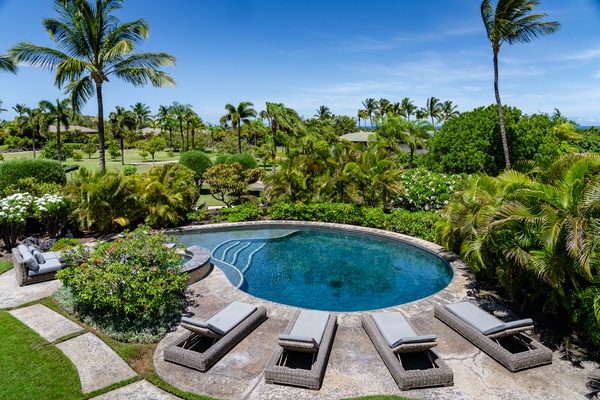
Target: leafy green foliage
[[132, 286], [243, 212], [425, 190], [63, 244], [536, 233], [47, 171], [197, 161], [51, 150], [417, 224], [77, 156], [129, 170], [228, 183]]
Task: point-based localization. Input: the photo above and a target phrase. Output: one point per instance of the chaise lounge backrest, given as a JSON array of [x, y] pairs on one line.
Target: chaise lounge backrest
[[485, 323], [33, 266]]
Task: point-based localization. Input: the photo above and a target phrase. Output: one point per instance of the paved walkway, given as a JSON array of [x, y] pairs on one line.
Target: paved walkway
[[98, 365]]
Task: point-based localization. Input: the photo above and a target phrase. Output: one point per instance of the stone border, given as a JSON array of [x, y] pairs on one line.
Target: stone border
[[199, 266], [454, 291]]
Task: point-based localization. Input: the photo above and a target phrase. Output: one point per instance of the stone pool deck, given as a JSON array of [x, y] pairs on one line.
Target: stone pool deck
[[355, 368]]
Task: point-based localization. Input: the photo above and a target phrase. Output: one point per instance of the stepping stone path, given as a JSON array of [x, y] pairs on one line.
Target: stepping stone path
[[137, 390], [47, 323], [97, 364]]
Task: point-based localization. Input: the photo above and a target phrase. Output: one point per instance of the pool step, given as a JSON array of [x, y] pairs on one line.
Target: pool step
[[239, 253]]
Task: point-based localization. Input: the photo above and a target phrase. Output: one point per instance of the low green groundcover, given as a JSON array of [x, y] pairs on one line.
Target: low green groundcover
[[32, 368]]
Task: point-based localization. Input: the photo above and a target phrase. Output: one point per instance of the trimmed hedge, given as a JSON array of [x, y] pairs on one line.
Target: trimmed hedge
[[246, 160], [197, 161], [419, 224], [43, 170]]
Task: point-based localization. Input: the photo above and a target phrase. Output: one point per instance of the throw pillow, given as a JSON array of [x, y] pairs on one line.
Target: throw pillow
[[38, 256], [30, 261]]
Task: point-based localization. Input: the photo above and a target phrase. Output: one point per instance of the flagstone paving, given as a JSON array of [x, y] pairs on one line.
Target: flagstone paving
[[47, 323], [142, 390]]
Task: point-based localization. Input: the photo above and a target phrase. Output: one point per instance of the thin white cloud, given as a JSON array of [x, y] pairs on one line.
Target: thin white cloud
[[586, 55]]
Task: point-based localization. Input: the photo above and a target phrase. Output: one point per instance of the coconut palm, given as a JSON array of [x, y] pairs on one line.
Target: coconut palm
[[142, 115], [239, 115], [408, 108], [7, 64], [93, 44], [120, 121], [323, 113], [281, 119], [433, 110], [512, 21], [179, 111], [166, 121], [192, 122], [362, 114], [370, 105], [36, 121], [449, 110], [412, 133], [383, 107], [59, 113]]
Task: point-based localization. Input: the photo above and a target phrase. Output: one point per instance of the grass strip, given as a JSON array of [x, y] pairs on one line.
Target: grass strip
[[5, 266], [32, 368]]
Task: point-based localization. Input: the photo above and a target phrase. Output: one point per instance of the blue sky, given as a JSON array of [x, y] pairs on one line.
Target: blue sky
[[308, 53]]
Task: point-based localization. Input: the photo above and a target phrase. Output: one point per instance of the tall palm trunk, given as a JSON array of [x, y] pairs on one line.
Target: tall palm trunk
[[182, 139], [122, 148], [500, 112], [101, 155], [171, 137], [274, 150], [33, 143], [58, 139], [239, 132]]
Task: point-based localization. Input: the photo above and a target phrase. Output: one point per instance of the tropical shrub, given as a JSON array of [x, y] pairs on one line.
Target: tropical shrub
[[199, 215], [53, 211], [77, 156], [129, 170], [228, 183], [536, 234], [64, 243], [418, 224], [103, 201], [197, 161], [246, 160], [14, 209], [243, 212], [50, 150], [426, 190], [166, 194], [45, 171], [131, 288]]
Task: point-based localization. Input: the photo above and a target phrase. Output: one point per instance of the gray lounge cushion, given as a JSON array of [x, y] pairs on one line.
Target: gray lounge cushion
[[202, 324], [481, 320], [23, 249], [51, 254], [39, 256], [49, 266], [309, 340], [225, 320], [396, 331], [310, 324], [30, 261]]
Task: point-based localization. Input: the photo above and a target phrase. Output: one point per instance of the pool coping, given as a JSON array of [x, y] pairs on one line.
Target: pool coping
[[462, 279]]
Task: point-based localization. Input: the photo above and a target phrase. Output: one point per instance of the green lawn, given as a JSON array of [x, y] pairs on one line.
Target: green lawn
[[5, 266], [31, 367]]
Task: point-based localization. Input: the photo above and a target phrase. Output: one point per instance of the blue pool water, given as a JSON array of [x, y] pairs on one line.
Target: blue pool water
[[325, 269]]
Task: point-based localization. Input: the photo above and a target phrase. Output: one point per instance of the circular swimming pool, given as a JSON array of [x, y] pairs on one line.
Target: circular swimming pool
[[324, 269]]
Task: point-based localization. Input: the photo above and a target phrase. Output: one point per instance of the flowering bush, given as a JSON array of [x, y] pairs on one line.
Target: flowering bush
[[14, 209], [52, 210], [131, 288], [426, 190]]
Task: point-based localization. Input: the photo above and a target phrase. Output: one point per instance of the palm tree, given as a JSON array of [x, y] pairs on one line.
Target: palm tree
[[383, 107], [120, 121], [192, 122], [7, 64], [512, 22], [408, 108], [36, 121], [433, 110], [449, 110], [323, 113], [2, 109], [166, 120], [362, 113], [412, 133], [370, 105], [142, 115], [283, 119], [179, 111], [60, 113], [93, 44], [237, 116]]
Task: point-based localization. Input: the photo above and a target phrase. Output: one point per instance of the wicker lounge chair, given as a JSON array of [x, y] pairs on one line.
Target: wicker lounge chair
[[407, 355], [208, 341], [34, 266], [503, 341], [301, 355]]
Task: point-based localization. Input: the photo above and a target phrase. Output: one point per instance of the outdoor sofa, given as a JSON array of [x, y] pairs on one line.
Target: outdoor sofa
[[207, 341], [407, 355], [32, 266], [503, 341], [302, 351]]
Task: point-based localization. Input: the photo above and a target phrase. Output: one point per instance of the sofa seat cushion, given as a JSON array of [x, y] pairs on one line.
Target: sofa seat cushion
[[51, 265]]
